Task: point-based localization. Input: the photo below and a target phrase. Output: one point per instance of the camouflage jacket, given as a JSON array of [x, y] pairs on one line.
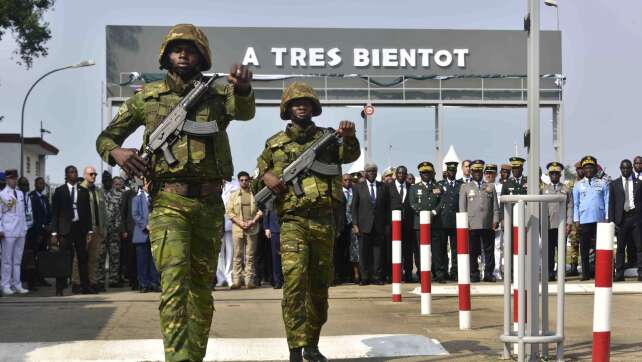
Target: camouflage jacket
[[113, 200], [320, 191], [200, 158]]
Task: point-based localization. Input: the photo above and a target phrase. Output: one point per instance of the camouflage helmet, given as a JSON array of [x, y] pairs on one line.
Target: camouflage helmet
[[190, 33], [298, 90]]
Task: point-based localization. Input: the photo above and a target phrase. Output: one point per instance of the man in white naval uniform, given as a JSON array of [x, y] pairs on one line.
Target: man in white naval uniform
[[224, 268], [13, 230]]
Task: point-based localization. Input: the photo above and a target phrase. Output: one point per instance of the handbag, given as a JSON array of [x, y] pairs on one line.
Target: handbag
[[54, 264]]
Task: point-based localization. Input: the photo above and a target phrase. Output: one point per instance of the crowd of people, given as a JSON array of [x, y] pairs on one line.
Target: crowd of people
[[109, 223], [100, 233]]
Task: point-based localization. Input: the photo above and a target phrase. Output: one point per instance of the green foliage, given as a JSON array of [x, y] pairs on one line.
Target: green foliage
[[23, 18]]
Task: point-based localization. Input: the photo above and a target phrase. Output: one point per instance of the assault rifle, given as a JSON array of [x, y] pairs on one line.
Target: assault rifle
[[302, 166], [169, 130]]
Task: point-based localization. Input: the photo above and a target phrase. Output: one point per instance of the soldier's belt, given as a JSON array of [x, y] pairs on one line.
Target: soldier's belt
[[192, 190]]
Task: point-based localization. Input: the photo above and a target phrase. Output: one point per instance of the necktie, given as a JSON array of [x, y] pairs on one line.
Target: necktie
[[479, 186], [627, 207], [15, 194], [401, 192], [372, 194], [554, 187], [73, 195]]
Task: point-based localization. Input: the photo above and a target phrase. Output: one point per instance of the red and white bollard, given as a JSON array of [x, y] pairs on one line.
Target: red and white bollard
[[396, 255], [603, 291], [424, 251], [516, 273], [463, 270]]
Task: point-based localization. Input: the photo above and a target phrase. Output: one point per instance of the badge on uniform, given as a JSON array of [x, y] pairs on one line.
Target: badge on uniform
[[436, 191], [471, 193], [419, 193], [489, 188]]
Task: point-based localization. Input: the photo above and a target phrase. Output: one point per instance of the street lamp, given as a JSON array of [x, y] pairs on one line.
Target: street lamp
[[553, 3], [84, 63]]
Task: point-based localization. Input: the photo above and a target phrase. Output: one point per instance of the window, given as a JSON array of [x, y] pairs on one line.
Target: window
[[37, 168], [28, 165]]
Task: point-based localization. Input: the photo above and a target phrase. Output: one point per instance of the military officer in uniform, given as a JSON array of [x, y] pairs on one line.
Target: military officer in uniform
[[479, 200], [555, 170], [590, 206], [447, 210], [517, 184], [186, 223], [307, 221], [425, 196]]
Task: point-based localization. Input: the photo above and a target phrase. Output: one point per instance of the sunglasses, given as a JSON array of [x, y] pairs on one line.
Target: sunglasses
[[93, 174]]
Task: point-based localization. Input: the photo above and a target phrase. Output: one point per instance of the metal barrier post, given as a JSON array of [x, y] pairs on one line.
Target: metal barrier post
[[561, 280], [528, 311], [508, 263], [544, 273]]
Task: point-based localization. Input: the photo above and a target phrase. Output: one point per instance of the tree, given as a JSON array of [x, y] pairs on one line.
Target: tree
[[23, 18]]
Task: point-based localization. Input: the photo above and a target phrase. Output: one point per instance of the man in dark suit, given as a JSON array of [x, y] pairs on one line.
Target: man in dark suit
[[624, 211], [517, 184], [343, 217], [399, 200], [369, 220], [71, 223], [38, 234], [447, 210]]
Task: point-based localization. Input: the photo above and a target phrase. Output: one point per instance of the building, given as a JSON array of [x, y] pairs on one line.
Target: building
[[36, 151]]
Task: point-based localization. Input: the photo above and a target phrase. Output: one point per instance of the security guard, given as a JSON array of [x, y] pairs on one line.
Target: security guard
[[186, 224], [425, 196], [590, 206], [307, 221], [555, 170], [517, 184], [479, 200], [447, 210]]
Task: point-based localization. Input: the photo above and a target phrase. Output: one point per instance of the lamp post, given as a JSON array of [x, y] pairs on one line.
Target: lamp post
[[553, 3], [84, 63]]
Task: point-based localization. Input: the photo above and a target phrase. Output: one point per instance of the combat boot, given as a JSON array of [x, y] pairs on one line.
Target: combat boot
[[312, 354], [295, 355]]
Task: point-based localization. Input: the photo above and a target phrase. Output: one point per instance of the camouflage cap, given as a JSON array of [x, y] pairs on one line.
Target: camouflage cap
[[191, 33], [299, 90]]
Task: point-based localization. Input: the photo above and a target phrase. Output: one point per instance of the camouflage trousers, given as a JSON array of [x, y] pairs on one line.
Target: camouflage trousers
[[574, 244], [110, 246], [307, 243], [186, 237]]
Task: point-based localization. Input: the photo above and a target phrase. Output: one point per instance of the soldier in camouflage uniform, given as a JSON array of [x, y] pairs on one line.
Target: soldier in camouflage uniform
[[111, 244], [574, 229], [307, 222], [186, 222]]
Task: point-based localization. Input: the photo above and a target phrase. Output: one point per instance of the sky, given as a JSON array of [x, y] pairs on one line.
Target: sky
[[601, 52]]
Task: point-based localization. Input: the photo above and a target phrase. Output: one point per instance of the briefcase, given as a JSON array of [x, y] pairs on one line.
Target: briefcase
[[54, 264], [28, 260]]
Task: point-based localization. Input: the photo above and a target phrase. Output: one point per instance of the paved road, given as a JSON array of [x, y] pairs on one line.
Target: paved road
[[354, 310]]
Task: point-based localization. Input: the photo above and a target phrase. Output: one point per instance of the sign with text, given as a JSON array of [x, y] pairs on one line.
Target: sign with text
[[288, 51]]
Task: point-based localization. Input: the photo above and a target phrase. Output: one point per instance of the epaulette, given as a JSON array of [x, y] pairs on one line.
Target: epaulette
[[277, 140], [153, 89]]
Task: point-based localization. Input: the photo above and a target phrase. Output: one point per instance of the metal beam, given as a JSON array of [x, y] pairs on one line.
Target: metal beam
[[533, 86], [439, 138]]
